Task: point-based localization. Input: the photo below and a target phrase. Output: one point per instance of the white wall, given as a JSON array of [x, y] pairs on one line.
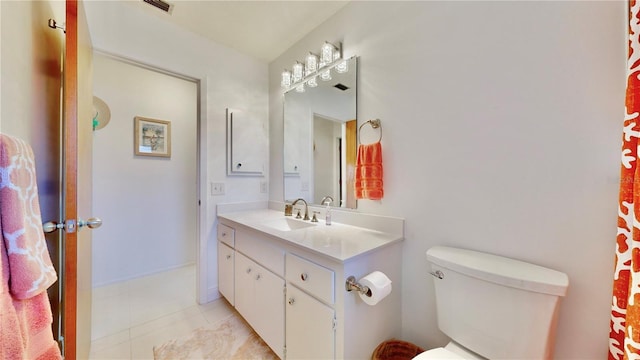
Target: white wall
[[501, 132], [30, 70], [228, 79], [30, 91], [148, 205]]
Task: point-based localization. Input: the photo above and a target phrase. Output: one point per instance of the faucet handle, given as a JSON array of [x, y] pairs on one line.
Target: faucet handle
[[315, 219]]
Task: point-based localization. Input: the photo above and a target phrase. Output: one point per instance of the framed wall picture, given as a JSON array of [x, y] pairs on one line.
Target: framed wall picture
[[152, 137]]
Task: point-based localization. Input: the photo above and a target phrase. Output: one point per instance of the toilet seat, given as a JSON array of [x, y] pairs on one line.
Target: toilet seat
[[437, 353], [453, 350]]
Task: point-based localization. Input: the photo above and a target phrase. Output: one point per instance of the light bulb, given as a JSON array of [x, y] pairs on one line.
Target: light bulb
[[312, 63], [313, 82], [286, 79], [300, 88], [342, 67], [325, 75], [298, 72]]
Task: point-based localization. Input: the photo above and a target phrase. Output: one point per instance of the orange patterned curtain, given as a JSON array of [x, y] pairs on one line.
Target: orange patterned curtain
[[624, 332]]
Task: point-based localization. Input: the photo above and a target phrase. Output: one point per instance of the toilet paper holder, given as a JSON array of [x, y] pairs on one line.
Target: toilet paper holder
[[351, 284]]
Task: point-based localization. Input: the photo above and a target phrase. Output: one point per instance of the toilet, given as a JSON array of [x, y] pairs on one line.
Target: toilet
[[494, 307]]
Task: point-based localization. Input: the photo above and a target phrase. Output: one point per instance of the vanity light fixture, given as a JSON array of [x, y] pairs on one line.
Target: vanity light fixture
[[328, 52], [342, 66], [298, 72], [286, 79], [325, 75], [314, 66], [311, 63]]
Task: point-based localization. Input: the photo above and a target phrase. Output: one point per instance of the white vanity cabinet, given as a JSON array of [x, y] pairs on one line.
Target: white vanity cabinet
[[290, 286]]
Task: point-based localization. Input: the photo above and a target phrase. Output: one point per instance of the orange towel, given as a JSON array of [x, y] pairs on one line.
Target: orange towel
[[368, 177], [27, 272]]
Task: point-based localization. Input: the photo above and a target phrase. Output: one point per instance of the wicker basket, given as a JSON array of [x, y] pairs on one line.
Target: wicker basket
[[396, 350]]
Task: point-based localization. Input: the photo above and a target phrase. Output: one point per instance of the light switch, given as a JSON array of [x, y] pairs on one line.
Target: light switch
[[217, 188]]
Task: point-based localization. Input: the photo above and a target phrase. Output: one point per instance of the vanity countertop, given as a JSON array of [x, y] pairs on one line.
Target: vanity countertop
[[338, 241]]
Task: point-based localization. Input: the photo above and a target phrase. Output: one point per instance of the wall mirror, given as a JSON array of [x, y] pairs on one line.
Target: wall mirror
[[320, 140]]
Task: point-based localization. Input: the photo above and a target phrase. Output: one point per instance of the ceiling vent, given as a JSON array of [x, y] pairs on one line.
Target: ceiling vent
[[341, 86], [162, 5]]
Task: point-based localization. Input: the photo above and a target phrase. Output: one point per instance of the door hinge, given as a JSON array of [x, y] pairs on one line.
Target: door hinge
[[335, 324], [284, 352]]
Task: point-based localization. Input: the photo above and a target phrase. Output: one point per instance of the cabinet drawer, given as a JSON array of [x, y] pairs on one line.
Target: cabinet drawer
[[261, 250], [310, 277], [226, 234]]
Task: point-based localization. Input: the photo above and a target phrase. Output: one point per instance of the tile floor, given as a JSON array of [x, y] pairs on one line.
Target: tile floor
[[129, 318]]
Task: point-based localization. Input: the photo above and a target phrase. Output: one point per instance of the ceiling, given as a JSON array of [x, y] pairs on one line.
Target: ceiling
[[262, 29]]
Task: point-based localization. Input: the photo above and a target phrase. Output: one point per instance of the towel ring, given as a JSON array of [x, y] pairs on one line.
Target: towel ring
[[375, 123]]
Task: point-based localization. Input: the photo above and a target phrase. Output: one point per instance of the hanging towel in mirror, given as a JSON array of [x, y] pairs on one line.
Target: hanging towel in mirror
[[368, 177]]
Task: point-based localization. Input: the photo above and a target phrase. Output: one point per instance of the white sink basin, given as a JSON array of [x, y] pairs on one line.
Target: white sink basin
[[288, 224]]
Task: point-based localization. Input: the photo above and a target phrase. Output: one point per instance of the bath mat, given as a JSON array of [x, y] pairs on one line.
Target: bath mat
[[230, 338]]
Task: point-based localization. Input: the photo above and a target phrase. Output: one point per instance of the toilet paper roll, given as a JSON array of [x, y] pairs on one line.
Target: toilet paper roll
[[379, 287]]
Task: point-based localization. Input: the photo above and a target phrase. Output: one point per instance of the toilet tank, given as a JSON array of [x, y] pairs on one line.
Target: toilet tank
[[497, 307]]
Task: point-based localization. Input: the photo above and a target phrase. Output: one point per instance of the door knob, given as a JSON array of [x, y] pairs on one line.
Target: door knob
[[51, 226], [68, 225], [91, 223]]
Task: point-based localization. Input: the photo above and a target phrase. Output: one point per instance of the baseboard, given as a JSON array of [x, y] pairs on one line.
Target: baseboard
[[213, 294], [142, 274]]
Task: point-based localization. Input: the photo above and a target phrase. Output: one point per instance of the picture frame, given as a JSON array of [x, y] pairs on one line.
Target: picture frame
[[152, 137]]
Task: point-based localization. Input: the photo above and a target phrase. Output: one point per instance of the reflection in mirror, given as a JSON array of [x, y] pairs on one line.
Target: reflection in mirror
[[320, 140]]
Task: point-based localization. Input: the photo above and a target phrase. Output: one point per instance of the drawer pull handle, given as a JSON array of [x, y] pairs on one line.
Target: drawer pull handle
[[248, 270], [228, 257], [224, 234], [258, 277], [291, 301], [304, 276]]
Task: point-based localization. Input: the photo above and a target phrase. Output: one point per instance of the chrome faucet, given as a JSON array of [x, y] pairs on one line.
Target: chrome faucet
[[325, 199], [306, 208]]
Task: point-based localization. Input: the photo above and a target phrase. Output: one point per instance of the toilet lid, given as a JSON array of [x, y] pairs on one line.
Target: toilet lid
[[438, 353]]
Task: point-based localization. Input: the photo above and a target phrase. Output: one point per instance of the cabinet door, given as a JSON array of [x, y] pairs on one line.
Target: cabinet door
[[260, 300], [310, 330], [269, 305], [244, 287], [225, 272]]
